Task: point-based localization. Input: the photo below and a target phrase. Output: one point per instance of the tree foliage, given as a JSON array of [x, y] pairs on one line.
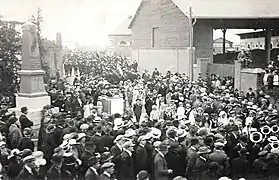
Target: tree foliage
[[37, 19], [10, 53]]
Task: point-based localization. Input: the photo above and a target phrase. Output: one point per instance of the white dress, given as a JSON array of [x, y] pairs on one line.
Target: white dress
[[87, 110]]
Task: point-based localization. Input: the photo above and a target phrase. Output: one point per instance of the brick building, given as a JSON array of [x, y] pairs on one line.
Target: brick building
[[120, 39], [256, 39], [218, 45]]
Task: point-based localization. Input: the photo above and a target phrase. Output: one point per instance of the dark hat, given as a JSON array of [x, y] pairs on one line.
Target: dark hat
[[57, 159], [163, 147], [105, 157], [60, 122], [243, 152], [50, 128], [23, 109], [142, 175], [26, 152], [194, 141], [27, 131], [204, 150], [93, 160]]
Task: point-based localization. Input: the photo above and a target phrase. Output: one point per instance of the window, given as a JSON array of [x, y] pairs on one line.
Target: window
[[153, 36]]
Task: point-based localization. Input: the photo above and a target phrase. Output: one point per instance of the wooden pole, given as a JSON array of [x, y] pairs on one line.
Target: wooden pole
[[191, 44]]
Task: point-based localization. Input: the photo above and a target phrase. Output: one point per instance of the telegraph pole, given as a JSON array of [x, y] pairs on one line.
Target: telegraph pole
[[191, 41]]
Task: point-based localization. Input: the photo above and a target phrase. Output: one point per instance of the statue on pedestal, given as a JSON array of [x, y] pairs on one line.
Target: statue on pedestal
[[244, 57]]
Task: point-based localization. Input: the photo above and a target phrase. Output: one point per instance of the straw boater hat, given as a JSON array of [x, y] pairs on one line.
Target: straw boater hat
[[39, 158]]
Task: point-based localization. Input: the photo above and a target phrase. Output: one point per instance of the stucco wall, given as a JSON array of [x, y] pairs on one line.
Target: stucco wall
[[114, 47]]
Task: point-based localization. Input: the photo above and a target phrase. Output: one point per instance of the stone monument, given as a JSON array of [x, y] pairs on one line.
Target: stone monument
[[32, 92], [59, 55]]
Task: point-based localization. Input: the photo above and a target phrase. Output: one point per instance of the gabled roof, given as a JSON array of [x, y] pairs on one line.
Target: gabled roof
[[221, 40], [226, 9], [123, 29], [135, 15]]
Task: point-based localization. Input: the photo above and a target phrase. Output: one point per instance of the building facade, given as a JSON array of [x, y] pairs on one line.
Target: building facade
[[256, 40], [218, 45], [162, 25], [120, 39]]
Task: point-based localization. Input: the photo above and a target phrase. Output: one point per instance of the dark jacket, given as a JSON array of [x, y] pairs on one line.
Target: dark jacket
[[105, 177], [240, 167], [26, 143], [141, 159], [160, 168], [54, 174], [97, 140], [91, 175], [14, 168], [174, 163], [25, 175], [126, 167], [25, 122]]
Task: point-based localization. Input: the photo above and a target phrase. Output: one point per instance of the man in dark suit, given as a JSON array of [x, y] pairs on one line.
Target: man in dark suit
[[137, 109], [29, 171], [24, 120], [97, 139], [240, 165], [92, 172], [161, 171], [127, 162], [141, 157], [108, 169], [56, 172], [116, 152]]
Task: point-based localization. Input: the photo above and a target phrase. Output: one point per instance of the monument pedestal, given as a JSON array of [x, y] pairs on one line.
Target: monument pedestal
[[32, 89], [250, 78], [112, 105]]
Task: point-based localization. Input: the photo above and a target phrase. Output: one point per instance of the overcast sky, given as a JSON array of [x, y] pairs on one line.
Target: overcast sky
[[87, 22]]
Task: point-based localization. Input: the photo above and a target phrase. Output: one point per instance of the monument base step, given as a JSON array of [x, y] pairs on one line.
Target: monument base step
[[32, 102]]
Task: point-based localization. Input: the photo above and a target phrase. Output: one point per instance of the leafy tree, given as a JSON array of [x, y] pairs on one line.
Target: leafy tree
[[37, 19], [10, 62]]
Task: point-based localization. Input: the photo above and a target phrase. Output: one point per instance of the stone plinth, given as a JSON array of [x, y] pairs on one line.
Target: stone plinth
[[250, 78], [237, 75], [112, 105]]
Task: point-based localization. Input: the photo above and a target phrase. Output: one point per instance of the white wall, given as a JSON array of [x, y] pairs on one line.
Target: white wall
[[174, 60]]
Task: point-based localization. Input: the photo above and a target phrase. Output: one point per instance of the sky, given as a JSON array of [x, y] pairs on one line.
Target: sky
[[86, 22]]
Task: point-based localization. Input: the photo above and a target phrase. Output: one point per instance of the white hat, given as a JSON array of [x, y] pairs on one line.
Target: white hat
[[2, 143], [39, 158], [73, 142], [129, 133], [13, 153], [156, 133], [84, 126], [118, 123], [118, 138], [66, 137], [181, 133], [81, 135]]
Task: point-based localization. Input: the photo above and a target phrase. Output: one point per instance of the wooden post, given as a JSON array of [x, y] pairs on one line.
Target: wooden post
[[224, 40], [267, 45]]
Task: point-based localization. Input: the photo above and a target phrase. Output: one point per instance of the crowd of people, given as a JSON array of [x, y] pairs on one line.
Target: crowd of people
[[171, 128]]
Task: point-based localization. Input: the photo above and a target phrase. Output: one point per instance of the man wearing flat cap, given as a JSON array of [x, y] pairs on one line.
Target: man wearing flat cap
[[108, 169], [24, 120], [161, 171], [56, 172], [29, 171], [92, 172], [141, 157]]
